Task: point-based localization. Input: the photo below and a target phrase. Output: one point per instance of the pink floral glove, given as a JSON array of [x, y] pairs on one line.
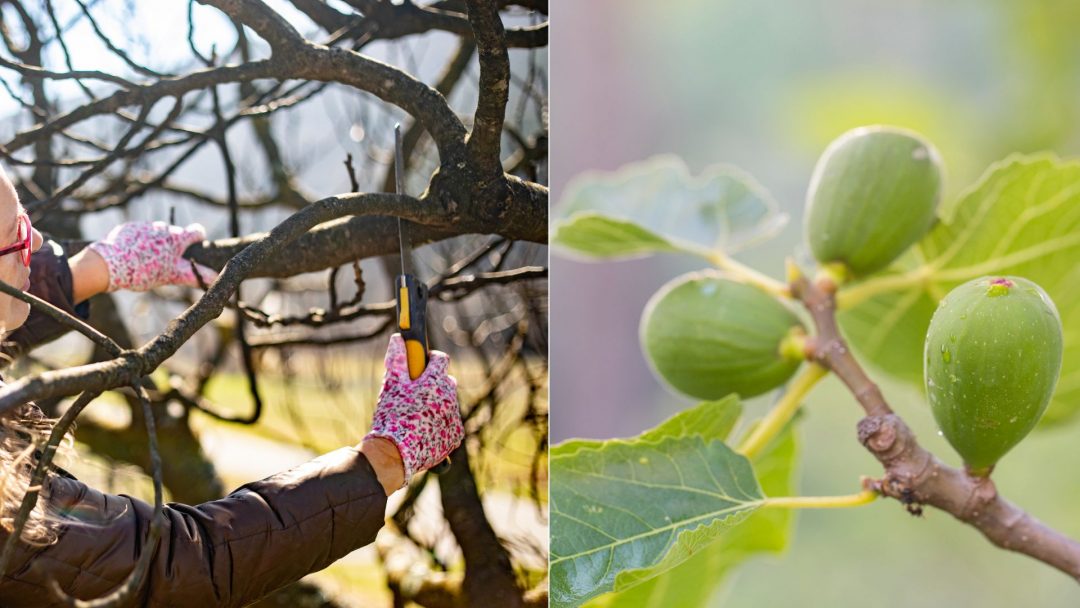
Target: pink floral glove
[[145, 255], [420, 416]]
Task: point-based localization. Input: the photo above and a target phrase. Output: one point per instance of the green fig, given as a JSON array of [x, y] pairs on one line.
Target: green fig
[[873, 194], [708, 336], [992, 359]]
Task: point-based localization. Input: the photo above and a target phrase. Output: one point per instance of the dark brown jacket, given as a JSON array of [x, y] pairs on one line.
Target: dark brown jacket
[[227, 552]]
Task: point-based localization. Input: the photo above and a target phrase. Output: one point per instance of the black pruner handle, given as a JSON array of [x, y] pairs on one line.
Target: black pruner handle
[[412, 299]]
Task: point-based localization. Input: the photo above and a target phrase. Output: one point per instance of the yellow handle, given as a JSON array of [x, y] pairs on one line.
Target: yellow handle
[[417, 356], [404, 322]]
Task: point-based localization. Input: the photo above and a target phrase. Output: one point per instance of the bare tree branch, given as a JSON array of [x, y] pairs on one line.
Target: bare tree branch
[[484, 141]]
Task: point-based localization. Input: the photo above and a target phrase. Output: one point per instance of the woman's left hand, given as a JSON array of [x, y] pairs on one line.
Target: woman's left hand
[[144, 255], [421, 416]]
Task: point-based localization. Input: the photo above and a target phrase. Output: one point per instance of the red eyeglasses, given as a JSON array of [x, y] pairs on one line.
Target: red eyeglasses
[[25, 243]]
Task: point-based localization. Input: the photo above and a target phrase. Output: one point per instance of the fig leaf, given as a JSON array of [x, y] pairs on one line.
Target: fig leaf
[[698, 579], [657, 206], [1021, 218], [626, 510]]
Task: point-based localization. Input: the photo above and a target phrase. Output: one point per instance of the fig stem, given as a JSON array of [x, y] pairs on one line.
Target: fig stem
[[836, 272], [782, 413], [914, 476], [822, 502], [740, 272], [851, 295]]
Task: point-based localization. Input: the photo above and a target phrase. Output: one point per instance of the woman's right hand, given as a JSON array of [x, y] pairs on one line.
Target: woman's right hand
[[421, 416]]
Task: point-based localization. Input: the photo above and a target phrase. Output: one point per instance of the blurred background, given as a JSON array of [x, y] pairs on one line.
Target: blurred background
[[299, 372], [765, 86]]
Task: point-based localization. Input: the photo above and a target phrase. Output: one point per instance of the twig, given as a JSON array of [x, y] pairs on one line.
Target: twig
[[148, 552], [48, 451], [65, 319], [131, 365]]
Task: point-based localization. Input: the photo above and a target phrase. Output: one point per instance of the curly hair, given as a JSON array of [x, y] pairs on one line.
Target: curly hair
[[23, 432]]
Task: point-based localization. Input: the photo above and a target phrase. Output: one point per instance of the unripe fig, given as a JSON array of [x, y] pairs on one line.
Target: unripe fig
[[872, 195], [708, 337], [992, 359]]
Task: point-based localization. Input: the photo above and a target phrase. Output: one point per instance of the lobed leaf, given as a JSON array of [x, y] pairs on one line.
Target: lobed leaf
[[709, 419], [697, 579], [623, 511], [1021, 218], [657, 206]]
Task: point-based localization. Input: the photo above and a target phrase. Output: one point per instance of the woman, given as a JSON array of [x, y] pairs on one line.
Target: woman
[[227, 552]]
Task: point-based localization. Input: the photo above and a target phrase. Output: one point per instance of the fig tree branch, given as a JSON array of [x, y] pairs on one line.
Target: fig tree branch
[[913, 475], [484, 141], [128, 367], [386, 20]]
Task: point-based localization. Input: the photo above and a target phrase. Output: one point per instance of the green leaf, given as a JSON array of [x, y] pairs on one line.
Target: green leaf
[[1021, 218], [708, 419], [657, 206], [623, 511], [696, 580]]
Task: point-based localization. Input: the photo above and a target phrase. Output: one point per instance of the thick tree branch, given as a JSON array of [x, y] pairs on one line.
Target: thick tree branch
[[449, 79], [345, 240], [484, 141], [913, 475], [265, 21], [331, 64], [489, 577], [127, 368], [341, 241], [382, 21]]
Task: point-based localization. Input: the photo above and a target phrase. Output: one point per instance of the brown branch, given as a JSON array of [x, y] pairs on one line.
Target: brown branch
[[173, 87], [345, 240], [33, 72], [489, 576], [324, 15], [448, 80], [386, 21], [269, 25], [63, 318], [913, 475], [128, 367], [484, 141], [445, 289]]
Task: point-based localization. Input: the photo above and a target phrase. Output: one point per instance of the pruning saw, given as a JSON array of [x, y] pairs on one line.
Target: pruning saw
[[412, 295]]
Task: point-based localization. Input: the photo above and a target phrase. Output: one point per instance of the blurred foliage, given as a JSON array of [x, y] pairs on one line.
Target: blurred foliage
[[766, 86]]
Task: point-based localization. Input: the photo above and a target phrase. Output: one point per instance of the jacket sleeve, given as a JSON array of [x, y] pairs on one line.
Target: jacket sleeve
[[227, 552], [50, 280]]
